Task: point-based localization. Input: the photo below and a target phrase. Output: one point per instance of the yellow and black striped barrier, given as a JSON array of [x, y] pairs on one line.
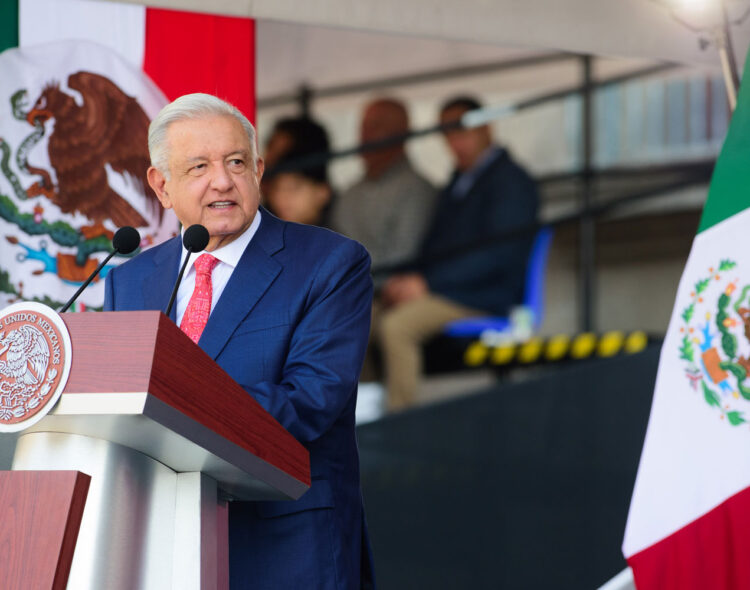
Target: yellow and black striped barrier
[[561, 347]]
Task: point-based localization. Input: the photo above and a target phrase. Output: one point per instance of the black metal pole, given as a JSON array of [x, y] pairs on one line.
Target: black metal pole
[[304, 100], [321, 158], [587, 234], [387, 84]]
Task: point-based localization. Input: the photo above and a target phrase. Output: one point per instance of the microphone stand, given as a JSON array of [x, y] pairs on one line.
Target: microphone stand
[[65, 307], [179, 280]]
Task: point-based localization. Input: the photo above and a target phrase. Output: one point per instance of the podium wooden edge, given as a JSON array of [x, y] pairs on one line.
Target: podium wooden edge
[[143, 351], [41, 517], [72, 528]]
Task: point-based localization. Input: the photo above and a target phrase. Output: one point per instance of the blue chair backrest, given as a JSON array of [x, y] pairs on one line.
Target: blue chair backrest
[[536, 272], [533, 297]]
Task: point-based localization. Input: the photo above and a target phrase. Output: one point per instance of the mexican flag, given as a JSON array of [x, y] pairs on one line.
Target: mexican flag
[[689, 521], [81, 81], [181, 52]]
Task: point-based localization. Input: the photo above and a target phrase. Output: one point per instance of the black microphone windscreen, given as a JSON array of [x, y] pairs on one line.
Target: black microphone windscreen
[[126, 240], [196, 238]]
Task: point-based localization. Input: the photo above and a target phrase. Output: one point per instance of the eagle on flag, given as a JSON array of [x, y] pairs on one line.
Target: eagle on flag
[[110, 129]]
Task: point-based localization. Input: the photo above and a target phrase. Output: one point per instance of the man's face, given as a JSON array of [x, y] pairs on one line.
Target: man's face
[[380, 122], [212, 177], [295, 198], [466, 144]]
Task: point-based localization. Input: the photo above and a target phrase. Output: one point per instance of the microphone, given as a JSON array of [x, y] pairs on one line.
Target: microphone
[[125, 241], [194, 239]]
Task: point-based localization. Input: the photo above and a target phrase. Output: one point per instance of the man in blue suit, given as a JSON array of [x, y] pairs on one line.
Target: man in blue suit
[[488, 194], [285, 312]]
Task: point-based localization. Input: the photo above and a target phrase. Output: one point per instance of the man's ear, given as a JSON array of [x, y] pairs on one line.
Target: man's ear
[[158, 182]]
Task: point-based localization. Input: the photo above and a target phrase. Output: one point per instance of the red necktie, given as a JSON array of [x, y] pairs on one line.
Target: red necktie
[[199, 307]]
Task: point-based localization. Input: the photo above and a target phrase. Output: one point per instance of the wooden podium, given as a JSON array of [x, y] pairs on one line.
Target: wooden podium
[[167, 438]]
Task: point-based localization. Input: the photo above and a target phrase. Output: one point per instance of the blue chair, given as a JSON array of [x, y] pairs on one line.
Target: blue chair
[[533, 294]]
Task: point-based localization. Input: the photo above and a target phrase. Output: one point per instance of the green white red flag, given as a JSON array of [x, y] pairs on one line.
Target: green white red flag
[[182, 52], [689, 521], [73, 125], [76, 99]]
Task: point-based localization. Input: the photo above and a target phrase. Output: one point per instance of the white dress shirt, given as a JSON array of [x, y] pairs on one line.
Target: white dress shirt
[[229, 256]]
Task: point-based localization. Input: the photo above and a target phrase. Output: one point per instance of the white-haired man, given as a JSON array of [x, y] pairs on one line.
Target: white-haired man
[[284, 310]]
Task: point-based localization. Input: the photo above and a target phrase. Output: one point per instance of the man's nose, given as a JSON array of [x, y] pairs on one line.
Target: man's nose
[[221, 179]]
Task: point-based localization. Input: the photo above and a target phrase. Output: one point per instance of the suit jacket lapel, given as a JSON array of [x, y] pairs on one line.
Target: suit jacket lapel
[[254, 274], [157, 286]]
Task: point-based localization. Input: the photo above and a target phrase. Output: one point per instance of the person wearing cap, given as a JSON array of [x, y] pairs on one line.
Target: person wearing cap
[[456, 276]]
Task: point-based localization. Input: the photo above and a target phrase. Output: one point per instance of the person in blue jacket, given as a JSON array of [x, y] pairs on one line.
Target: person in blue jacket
[[488, 194], [288, 313]]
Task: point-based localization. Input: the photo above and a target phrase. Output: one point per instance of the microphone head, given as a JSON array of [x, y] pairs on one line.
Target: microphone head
[[195, 238], [126, 240]]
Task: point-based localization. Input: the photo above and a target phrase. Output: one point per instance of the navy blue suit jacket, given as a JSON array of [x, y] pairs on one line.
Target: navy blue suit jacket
[[503, 197], [291, 328]]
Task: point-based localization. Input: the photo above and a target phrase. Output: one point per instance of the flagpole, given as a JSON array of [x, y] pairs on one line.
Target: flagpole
[[726, 69], [716, 25], [723, 41]]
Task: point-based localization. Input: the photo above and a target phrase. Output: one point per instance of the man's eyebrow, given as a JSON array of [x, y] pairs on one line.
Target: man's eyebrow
[[245, 153], [193, 159]]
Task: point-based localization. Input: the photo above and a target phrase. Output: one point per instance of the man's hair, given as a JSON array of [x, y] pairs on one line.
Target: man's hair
[[468, 103], [191, 106]]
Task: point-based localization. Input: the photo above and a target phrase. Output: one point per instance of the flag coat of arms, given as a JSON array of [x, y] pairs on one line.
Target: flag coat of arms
[[95, 61], [689, 521], [74, 119]]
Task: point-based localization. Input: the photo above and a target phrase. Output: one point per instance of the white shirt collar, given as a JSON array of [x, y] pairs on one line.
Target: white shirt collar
[[232, 252]]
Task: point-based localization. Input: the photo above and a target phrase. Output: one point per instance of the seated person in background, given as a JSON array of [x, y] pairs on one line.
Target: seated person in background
[[388, 210], [301, 195], [488, 194]]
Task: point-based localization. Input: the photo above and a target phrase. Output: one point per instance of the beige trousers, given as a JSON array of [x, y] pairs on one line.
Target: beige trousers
[[401, 331]]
